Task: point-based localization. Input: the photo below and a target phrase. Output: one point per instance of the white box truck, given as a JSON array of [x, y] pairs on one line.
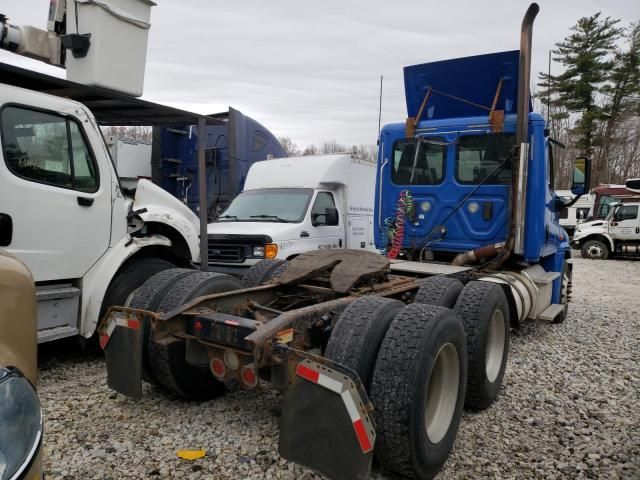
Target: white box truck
[[294, 205]]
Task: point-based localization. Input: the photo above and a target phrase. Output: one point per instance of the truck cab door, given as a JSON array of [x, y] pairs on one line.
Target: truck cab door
[[625, 224], [53, 190], [328, 232]]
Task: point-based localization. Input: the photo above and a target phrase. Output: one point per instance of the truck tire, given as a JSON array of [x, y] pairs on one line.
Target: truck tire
[[439, 290], [262, 272], [148, 297], [136, 273], [484, 311], [168, 357], [565, 292], [418, 390], [594, 250], [358, 333]]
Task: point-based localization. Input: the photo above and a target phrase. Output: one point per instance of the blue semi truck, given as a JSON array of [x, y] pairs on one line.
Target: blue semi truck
[[231, 147], [379, 354]]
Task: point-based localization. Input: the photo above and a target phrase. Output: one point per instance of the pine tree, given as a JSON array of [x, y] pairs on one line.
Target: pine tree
[[587, 57], [622, 97]]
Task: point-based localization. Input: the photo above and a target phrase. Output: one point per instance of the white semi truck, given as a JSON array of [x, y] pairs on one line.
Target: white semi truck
[[294, 205]]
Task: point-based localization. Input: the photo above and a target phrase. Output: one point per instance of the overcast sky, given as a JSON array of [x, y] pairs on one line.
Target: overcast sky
[[311, 70]]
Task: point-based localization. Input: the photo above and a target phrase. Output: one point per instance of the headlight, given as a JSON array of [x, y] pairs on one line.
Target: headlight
[[270, 250], [20, 423]]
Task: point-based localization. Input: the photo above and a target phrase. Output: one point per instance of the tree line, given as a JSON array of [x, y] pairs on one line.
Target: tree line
[[366, 151], [593, 106]]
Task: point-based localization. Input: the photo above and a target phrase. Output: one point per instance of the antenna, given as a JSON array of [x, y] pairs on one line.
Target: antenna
[[549, 91], [380, 108]]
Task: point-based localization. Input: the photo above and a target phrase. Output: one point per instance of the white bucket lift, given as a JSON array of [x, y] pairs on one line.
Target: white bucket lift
[[117, 51]]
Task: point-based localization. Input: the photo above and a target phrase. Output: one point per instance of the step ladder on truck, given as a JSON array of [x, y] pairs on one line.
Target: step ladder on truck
[[63, 210], [378, 354]]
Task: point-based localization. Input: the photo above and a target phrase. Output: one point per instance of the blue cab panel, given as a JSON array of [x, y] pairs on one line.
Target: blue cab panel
[[474, 79]]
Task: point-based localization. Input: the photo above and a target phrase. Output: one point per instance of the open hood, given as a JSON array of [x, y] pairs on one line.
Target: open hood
[[474, 79]]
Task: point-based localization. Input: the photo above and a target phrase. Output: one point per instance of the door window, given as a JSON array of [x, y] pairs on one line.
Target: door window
[[323, 201], [47, 148], [628, 212]]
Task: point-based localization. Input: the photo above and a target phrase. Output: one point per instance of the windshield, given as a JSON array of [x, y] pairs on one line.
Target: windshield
[[269, 205], [479, 156], [604, 206], [418, 166]]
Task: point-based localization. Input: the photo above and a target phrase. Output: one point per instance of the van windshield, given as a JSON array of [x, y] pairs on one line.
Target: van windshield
[[286, 205]]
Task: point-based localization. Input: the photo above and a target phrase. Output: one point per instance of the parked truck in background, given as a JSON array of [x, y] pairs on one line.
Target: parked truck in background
[[231, 147], [378, 354], [618, 234], [605, 195], [575, 214], [294, 205]]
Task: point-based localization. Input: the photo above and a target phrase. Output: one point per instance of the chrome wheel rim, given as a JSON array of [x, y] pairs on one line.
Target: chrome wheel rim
[[594, 251], [495, 346], [442, 393]]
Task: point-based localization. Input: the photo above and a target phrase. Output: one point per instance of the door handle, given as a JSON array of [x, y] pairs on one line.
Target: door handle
[[304, 234], [85, 201], [6, 229]]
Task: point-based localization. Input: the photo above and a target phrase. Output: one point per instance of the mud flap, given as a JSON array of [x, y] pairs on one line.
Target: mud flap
[[325, 422], [121, 336]]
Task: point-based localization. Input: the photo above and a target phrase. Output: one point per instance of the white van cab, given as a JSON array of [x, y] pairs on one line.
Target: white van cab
[[294, 205]]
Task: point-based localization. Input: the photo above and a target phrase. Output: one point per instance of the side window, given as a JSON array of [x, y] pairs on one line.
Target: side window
[[323, 201], [47, 148], [259, 142], [564, 214], [629, 212]]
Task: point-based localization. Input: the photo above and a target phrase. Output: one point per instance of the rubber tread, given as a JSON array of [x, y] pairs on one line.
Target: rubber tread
[[358, 333], [394, 383], [472, 309], [259, 273], [167, 358], [147, 297], [438, 290]]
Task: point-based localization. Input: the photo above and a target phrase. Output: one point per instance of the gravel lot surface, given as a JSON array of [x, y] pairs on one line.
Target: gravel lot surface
[[570, 407]]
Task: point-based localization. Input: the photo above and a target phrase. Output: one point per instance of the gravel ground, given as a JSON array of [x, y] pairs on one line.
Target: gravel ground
[[570, 407]]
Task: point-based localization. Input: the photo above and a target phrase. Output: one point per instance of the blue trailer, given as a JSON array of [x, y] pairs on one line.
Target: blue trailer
[[378, 354], [231, 147]]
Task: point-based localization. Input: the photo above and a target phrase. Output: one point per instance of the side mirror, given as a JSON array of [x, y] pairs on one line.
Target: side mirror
[[633, 184], [330, 217], [581, 176]]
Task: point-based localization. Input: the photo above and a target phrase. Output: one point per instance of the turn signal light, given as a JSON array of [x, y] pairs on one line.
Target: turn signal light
[[271, 250]]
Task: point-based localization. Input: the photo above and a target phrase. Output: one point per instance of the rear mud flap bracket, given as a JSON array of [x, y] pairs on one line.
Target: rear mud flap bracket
[[121, 336], [326, 423]]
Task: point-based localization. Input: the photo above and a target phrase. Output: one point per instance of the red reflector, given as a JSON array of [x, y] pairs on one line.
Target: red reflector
[[135, 324], [104, 339], [249, 376], [217, 367], [197, 326], [307, 373], [363, 438]]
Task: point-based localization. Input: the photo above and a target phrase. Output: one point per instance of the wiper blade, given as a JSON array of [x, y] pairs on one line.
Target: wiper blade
[[232, 217], [274, 217]]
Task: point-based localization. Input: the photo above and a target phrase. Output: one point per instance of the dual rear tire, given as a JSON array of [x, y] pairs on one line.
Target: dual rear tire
[[412, 362], [164, 362], [422, 363]]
